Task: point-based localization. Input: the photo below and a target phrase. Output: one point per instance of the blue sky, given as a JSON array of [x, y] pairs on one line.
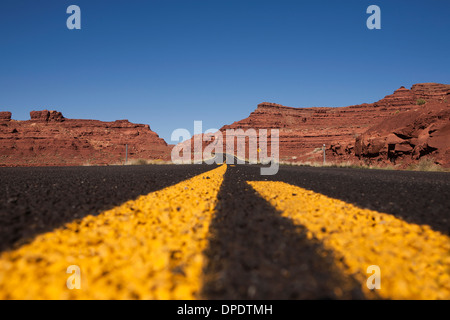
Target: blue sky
[[167, 63]]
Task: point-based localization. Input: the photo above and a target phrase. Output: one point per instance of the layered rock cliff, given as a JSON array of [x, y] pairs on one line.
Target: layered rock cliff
[[362, 132], [402, 128], [422, 132], [50, 139]]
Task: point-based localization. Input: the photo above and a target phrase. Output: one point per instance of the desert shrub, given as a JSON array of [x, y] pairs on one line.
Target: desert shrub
[[420, 102], [316, 150], [138, 162], [426, 164]]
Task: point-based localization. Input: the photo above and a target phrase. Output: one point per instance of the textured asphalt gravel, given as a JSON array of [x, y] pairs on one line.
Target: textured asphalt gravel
[[253, 253], [252, 243], [37, 200], [416, 197]]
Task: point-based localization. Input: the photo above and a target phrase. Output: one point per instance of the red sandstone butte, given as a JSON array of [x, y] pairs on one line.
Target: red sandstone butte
[[401, 128], [422, 131], [50, 139], [395, 129], [5, 115]]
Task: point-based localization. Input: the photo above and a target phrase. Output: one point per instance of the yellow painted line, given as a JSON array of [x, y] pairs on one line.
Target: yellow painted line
[[414, 260], [148, 248]]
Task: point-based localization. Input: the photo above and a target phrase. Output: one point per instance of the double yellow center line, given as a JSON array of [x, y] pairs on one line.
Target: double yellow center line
[[414, 261], [152, 247], [148, 248]]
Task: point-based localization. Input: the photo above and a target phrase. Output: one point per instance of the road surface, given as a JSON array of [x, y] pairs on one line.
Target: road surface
[[223, 232]]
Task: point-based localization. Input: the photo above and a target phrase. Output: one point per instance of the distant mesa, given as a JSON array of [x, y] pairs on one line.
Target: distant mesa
[[359, 133], [401, 128], [50, 139]]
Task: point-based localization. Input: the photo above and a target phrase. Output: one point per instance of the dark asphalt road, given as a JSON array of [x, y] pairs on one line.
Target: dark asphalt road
[[254, 253], [34, 200], [275, 244], [416, 197], [251, 246], [37, 200]]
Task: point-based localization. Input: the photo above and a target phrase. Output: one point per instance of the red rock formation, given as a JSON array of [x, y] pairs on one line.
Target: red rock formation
[[349, 132], [46, 115], [5, 116], [50, 139], [395, 129], [303, 131], [421, 131], [400, 97], [431, 91], [409, 136]]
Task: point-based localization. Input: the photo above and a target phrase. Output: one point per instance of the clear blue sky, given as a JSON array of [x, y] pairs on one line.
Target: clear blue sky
[[167, 63]]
